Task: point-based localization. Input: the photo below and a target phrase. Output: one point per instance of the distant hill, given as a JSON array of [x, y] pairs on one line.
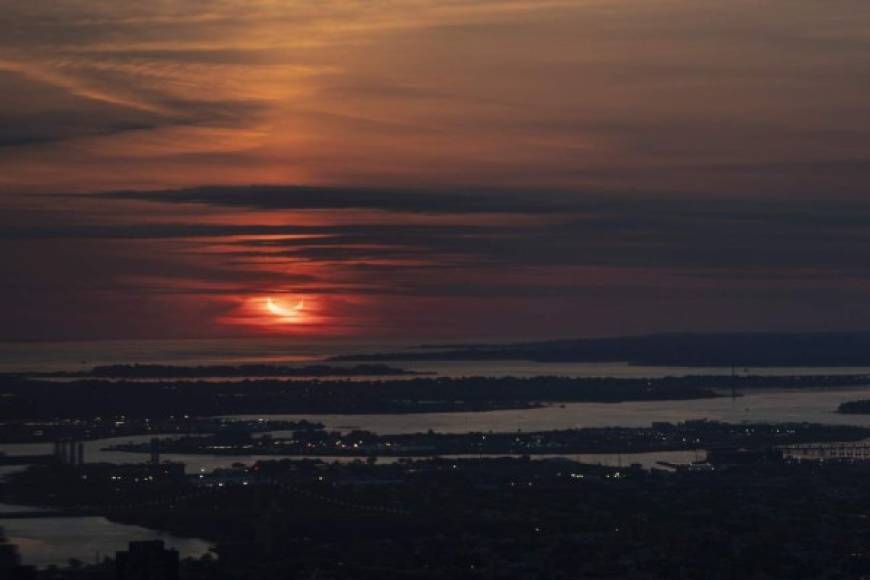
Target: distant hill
[[738, 349]]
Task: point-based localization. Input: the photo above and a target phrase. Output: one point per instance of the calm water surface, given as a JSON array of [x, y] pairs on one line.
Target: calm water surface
[[780, 405], [46, 541], [83, 355]]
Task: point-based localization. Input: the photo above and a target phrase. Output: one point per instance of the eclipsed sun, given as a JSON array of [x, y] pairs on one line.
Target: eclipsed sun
[[285, 313]]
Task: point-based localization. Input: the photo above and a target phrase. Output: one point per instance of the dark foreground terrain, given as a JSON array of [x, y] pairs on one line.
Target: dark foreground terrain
[[496, 518]]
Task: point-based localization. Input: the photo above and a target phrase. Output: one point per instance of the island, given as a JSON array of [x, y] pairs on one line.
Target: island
[[155, 371], [661, 436], [739, 350], [860, 407], [25, 399], [39, 399]]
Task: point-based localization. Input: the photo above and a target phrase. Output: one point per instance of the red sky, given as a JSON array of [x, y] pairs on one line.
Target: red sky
[[485, 169]]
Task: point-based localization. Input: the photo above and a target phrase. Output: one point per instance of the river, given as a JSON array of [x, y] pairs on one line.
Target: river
[[761, 405], [54, 541]]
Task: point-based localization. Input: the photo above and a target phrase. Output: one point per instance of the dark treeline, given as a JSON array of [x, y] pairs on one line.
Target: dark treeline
[[855, 407], [492, 519], [154, 371], [740, 350], [39, 399], [35, 399]]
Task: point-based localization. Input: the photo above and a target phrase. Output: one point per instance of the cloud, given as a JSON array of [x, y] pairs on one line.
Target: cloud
[[295, 197], [467, 157], [32, 112], [471, 229], [657, 95], [484, 259]]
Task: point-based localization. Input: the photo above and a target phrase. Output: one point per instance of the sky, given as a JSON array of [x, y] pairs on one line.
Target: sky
[[432, 169]]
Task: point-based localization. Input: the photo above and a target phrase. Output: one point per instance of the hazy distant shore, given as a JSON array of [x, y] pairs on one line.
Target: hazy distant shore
[[685, 350], [156, 371]]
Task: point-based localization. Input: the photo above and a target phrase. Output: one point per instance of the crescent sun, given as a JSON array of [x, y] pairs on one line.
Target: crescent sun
[[279, 310]]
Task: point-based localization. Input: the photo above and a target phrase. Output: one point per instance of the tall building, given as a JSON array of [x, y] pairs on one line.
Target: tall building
[[155, 451], [147, 561], [69, 452], [10, 562]]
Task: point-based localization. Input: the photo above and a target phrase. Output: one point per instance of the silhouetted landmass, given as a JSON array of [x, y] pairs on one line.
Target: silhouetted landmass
[[29, 399], [740, 350], [83, 429], [861, 407], [659, 437], [479, 519], [154, 371], [35, 399]]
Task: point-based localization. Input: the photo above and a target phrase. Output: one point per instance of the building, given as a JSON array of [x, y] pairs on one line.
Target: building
[[147, 561], [69, 452], [10, 563]]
